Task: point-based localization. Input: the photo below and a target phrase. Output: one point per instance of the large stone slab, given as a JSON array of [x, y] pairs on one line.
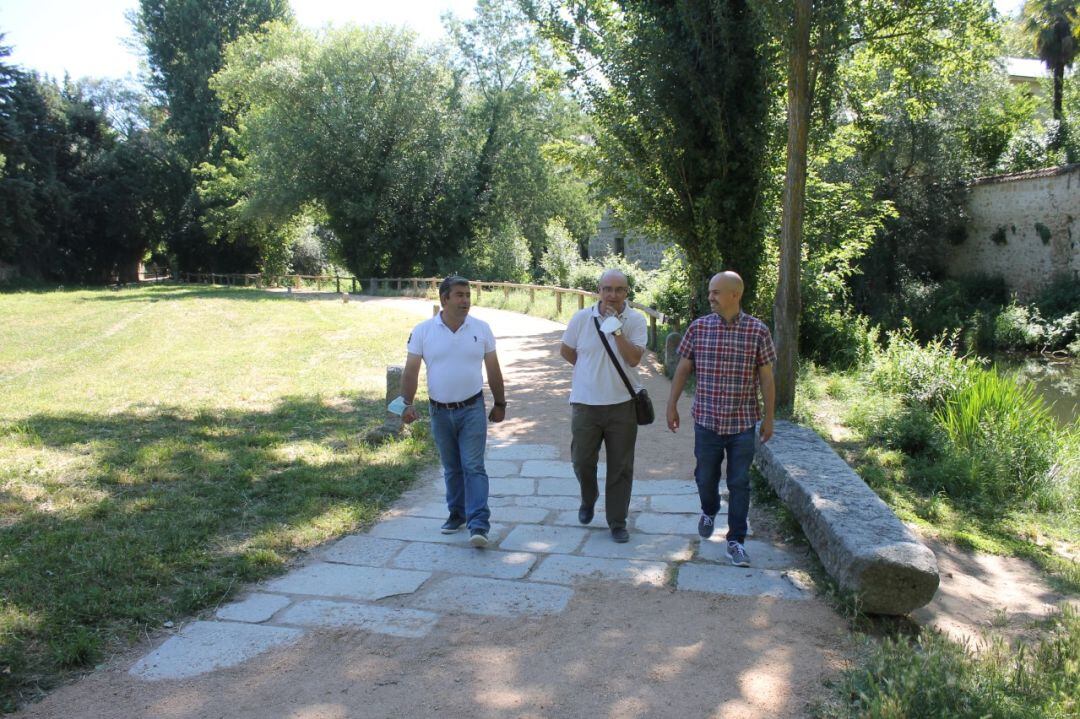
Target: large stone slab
[[570, 519], [557, 485], [679, 503], [201, 647], [567, 569], [501, 468], [494, 597], [544, 538], [325, 614], [641, 546], [322, 579], [859, 540], [665, 486], [763, 555], [739, 581], [562, 502], [465, 560], [254, 608], [554, 468], [510, 486], [523, 451], [362, 549], [657, 523], [529, 515], [427, 530]]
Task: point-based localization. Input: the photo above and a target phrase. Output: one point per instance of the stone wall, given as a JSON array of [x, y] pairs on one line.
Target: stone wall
[[1023, 227], [633, 245]]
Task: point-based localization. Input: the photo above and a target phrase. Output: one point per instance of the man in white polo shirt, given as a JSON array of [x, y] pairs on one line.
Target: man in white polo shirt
[[602, 408], [454, 346]]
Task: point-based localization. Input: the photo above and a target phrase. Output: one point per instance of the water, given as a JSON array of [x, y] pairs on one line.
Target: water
[[1056, 380]]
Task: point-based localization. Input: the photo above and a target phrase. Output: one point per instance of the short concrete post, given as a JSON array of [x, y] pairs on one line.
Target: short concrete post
[[392, 424], [671, 354]]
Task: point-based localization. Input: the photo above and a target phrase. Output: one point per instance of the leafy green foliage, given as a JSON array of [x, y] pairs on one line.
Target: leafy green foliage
[[1003, 427], [931, 676], [680, 95], [560, 254]]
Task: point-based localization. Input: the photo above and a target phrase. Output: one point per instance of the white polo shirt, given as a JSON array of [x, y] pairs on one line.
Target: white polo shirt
[[454, 359], [596, 380]]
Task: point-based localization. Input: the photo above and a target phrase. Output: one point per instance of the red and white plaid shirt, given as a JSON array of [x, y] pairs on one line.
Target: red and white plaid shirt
[[726, 358]]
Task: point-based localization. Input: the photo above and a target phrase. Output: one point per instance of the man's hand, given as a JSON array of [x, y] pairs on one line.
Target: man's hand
[[497, 414], [672, 417], [409, 415], [766, 429]]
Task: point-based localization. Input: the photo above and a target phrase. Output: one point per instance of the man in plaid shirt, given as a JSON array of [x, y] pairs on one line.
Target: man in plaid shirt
[[732, 355]]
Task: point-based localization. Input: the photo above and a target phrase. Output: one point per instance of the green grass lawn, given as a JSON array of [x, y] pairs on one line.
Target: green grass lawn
[[161, 446]]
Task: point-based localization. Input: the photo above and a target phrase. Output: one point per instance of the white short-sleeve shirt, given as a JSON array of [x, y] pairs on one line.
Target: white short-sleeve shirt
[[454, 359], [595, 380]]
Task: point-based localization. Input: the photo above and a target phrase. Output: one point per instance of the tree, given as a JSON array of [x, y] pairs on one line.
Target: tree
[[1054, 26], [185, 42], [680, 96], [786, 310], [910, 40], [515, 113], [359, 122]]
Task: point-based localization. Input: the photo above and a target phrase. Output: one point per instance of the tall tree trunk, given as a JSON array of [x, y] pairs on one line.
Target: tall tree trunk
[[786, 309], [1059, 82]]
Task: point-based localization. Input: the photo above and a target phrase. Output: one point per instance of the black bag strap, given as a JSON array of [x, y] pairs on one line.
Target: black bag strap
[[611, 354]]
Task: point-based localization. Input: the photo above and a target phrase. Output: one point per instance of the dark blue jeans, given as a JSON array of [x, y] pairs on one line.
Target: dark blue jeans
[[461, 435], [709, 450]]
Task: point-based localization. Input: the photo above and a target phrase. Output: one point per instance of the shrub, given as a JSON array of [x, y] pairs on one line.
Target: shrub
[[561, 255], [923, 375], [586, 274], [1008, 434], [933, 677], [913, 431], [670, 290], [836, 338]]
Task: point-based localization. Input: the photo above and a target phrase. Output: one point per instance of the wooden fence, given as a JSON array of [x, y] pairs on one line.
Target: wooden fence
[[416, 284]]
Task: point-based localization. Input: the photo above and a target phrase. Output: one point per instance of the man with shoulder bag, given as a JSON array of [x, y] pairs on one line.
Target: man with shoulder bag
[[605, 344]]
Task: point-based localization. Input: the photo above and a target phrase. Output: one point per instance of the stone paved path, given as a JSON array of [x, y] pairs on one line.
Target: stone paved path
[[402, 575]]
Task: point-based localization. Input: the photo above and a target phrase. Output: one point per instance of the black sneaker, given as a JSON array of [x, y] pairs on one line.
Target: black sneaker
[[705, 526], [478, 538], [452, 524], [620, 535], [585, 513]]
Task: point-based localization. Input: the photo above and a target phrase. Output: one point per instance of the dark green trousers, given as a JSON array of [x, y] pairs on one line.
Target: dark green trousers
[[614, 426]]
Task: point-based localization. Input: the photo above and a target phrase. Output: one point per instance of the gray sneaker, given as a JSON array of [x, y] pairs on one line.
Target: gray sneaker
[[737, 554]]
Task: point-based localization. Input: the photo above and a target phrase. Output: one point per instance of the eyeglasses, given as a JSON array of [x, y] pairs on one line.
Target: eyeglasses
[[616, 290]]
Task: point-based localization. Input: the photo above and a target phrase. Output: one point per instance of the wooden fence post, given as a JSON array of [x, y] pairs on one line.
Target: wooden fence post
[[581, 302], [558, 302]]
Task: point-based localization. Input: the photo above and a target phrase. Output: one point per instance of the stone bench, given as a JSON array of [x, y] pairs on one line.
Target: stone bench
[[862, 544]]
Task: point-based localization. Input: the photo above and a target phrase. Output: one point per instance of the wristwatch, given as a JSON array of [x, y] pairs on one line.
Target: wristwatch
[[500, 404], [617, 332]]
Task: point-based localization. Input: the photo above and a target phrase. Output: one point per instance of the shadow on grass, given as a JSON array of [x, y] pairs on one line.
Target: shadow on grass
[[157, 513]]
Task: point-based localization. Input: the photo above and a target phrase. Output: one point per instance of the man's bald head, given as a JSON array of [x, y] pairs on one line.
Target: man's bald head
[[614, 289], [727, 282], [612, 274], [725, 293]]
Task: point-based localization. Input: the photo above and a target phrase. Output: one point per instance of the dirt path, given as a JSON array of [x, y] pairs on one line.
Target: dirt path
[[615, 650]]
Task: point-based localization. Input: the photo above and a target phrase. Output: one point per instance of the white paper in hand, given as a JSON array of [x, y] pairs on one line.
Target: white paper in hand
[[610, 324], [397, 406]]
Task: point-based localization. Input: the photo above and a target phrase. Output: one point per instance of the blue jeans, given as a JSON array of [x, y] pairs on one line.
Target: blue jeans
[[461, 435], [709, 450]]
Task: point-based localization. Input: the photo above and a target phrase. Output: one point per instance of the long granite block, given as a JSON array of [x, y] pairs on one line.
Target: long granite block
[[859, 540]]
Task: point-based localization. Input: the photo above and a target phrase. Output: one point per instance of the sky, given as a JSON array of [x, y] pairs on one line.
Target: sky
[[92, 37]]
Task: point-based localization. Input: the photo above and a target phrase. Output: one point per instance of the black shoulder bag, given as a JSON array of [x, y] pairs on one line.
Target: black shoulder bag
[[642, 404]]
